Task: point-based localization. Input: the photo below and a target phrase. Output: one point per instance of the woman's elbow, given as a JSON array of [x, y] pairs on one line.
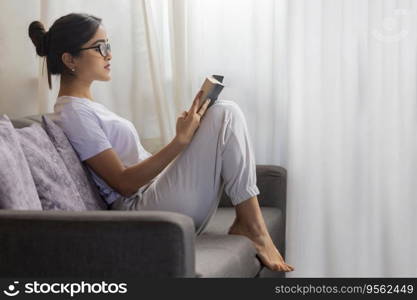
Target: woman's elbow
[[125, 189], [126, 186]]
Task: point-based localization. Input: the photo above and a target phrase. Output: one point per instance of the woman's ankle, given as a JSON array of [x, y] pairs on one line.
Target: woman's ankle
[[252, 228]]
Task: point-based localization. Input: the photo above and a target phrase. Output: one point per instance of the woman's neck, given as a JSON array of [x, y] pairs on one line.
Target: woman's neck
[[75, 88]]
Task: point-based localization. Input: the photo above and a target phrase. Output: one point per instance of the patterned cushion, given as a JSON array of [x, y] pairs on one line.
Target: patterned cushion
[[55, 187], [17, 189], [78, 172]]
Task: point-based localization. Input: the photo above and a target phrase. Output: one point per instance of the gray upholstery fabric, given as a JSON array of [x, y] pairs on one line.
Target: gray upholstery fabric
[[17, 189], [22, 122], [78, 172], [221, 255], [55, 187], [96, 244]]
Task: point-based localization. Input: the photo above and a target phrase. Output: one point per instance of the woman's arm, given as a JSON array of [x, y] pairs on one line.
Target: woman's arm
[[126, 181]]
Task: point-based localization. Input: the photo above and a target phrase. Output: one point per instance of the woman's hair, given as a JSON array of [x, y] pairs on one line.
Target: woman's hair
[[67, 34]]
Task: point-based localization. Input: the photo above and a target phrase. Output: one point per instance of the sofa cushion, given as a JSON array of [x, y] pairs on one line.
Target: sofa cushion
[[220, 255], [78, 172], [55, 188], [229, 251], [17, 188]]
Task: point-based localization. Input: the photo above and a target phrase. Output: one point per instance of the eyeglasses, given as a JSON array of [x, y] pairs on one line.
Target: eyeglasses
[[103, 48]]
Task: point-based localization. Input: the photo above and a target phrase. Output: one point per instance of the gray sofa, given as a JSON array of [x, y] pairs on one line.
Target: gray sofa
[[105, 243]]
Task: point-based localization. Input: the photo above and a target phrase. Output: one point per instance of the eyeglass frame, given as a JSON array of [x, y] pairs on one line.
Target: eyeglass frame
[[107, 49]]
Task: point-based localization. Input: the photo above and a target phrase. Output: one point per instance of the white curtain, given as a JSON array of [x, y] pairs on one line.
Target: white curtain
[[329, 91], [328, 88], [351, 146]]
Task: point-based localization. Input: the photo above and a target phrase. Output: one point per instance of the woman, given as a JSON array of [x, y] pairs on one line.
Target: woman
[[187, 176]]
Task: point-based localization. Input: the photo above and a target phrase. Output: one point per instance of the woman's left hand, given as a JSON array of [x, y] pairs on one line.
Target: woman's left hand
[[189, 120]]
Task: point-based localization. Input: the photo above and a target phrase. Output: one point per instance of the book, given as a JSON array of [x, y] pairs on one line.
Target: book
[[212, 86]]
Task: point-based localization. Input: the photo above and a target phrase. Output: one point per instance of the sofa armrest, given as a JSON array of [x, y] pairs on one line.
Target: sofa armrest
[[272, 183], [96, 244]]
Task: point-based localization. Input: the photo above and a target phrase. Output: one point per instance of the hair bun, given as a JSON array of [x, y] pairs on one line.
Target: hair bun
[[39, 37]]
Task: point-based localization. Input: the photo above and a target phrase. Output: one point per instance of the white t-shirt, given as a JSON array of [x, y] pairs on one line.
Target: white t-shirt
[[92, 128]]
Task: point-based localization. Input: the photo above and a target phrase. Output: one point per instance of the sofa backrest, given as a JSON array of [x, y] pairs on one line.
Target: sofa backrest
[[81, 178], [29, 120]]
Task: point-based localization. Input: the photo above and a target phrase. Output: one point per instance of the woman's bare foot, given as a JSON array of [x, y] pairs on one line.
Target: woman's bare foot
[[267, 252]]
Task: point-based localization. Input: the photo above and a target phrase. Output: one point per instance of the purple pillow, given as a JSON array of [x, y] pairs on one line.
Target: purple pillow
[[17, 189], [78, 172], [55, 187]]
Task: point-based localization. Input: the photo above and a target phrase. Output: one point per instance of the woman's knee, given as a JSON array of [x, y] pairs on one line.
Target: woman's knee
[[228, 107]]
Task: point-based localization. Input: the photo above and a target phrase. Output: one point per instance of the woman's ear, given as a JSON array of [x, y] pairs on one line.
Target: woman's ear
[[68, 60]]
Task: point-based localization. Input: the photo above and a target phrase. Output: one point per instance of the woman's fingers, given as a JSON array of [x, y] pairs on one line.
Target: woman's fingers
[[196, 103], [204, 107]]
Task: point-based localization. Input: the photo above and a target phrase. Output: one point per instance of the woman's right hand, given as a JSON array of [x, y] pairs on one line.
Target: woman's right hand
[[189, 121]]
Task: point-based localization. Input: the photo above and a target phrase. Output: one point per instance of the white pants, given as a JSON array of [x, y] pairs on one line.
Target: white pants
[[220, 156]]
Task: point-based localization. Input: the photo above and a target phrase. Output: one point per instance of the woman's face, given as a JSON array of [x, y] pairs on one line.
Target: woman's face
[[91, 65]]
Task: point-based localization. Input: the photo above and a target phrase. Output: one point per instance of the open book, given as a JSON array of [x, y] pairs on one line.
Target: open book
[[211, 88]]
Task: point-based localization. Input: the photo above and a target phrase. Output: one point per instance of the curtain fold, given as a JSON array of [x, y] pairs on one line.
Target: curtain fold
[[142, 18]]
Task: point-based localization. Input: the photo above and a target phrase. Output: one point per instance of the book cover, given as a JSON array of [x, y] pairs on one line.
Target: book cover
[[211, 88]]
